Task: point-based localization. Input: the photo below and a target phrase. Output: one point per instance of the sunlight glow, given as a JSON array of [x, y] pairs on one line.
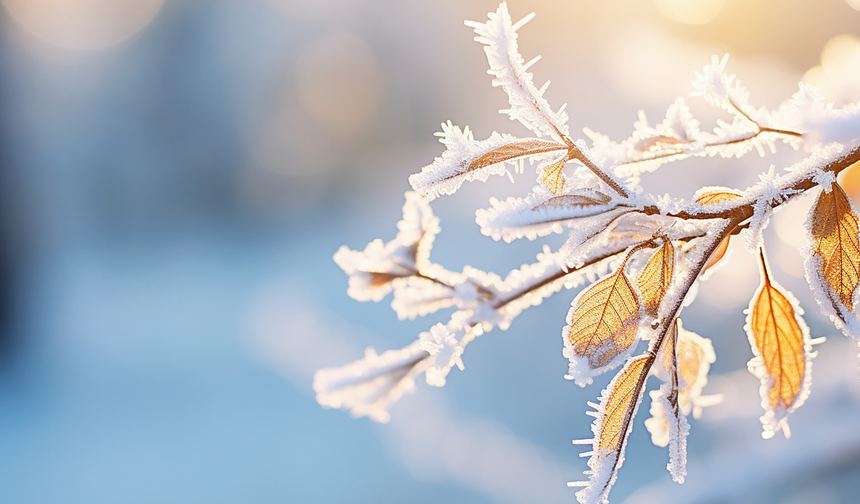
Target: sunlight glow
[[83, 25], [693, 12], [841, 57]]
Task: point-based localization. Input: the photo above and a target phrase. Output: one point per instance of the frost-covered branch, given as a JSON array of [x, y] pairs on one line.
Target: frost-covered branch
[[644, 256]]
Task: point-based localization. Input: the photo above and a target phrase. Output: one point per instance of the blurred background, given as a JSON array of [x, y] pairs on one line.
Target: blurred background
[[175, 176]]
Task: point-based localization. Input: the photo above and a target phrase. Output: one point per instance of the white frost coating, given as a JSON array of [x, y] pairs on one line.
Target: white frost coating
[[537, 216], [721, 89], [447, 173], [580, 370], [446, 343], [820, 121], [382, 267], [677, 137], [665, 427], [499, 35], [417, 296], [626, 230], [754, 234], [825, 179], [368, 386], [603, 464], [775, 419], [843, 317], [669, 430], [692, 348], [532, 283]]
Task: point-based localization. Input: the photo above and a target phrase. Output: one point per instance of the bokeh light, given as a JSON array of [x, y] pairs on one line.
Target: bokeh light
[[83, 25], [838, 74], [338, 83]]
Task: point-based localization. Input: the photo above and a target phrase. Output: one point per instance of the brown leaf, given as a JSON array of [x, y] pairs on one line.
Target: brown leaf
[[552, 176], [656, 276], [514, 150], [780, 341], [834, 233], [605, 319], [620, 403]]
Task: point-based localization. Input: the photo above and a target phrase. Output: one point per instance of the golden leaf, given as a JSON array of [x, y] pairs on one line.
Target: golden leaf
[[834, 234], [552, 176], [780, 337], [656, 276], [717, 195], [611, 427], [620, 403], [514, 150], [604, 321]]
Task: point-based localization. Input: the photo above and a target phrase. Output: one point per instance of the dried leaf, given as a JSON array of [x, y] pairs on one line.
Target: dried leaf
[[553, 177], [583, 197], [514, 150], [601, 325], [611, 427], [656, 276], [780, 341], [834, 233]]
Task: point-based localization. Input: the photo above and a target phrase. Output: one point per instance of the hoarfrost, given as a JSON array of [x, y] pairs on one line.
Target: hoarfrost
[[499, 36], [466, 159], [369, 385], [382, 267], [603, 464], [667, 429], [538, 216], [446, 343]]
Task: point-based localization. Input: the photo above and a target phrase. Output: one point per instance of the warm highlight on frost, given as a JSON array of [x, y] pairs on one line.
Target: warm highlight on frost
[[644, 255]]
